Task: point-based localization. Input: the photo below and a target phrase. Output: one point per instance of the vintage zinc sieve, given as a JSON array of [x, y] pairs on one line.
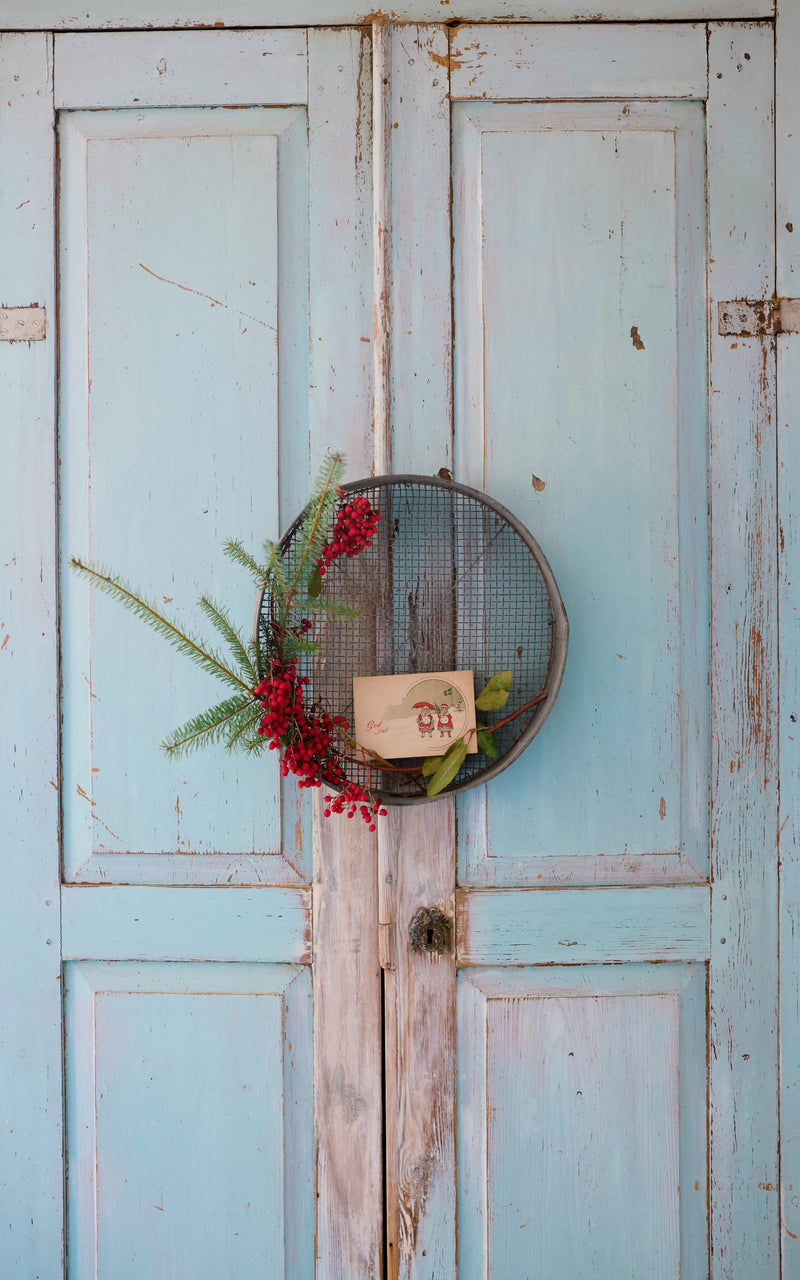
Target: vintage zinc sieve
[[452, 582]]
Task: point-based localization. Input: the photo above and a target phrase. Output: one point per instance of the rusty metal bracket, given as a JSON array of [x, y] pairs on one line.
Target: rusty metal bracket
[[23, 324], [749, 318], [431, 931]]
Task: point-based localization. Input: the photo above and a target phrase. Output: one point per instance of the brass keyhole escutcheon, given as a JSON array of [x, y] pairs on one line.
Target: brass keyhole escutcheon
[[430, 931]]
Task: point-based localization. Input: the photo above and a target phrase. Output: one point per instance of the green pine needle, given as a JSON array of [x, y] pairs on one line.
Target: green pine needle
[[193, 648], [235, 551], [242, 732], [221, 620], [209, 726]]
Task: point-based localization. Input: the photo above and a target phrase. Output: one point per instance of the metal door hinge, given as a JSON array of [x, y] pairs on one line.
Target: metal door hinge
[[748, 318], [23, 324]]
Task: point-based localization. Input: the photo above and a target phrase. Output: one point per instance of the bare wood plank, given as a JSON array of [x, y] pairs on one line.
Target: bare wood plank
[[595, 926], [421, 255], [569, 61], [186, 69], [417, 844], [144, 923], [347, 1004], [420, 1053], [103, 14], [743, 992], [787, 129], [30, 998]]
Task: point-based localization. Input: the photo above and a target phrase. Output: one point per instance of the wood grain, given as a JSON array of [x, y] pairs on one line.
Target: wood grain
[[743, 992], [31, 1203], [787, 130], [186, 69], [347, 985], [591, 61], [99, 14], [595, 926]]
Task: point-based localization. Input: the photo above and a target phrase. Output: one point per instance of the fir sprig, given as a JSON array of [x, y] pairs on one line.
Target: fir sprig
[[235, 721], [210, 726], [115, 586]]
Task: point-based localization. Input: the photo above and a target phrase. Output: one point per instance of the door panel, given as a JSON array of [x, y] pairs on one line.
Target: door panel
[[580, 383], [219, 1060], [176, 286], [592, 188], [581, 1133]]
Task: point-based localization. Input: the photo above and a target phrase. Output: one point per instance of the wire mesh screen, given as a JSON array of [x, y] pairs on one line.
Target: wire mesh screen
[[451, 582]]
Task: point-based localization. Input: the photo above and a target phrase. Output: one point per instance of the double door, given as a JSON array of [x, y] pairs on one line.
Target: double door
[[497, 249]]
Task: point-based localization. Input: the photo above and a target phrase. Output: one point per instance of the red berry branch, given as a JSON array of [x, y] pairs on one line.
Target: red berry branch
[[313, 744]]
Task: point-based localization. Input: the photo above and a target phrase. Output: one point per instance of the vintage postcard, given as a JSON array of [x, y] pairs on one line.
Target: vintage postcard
[[415, 715]]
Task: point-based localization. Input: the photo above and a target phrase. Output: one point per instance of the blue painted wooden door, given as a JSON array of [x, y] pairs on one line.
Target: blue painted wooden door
[[611, 1006], [211, 329], [560, 212]]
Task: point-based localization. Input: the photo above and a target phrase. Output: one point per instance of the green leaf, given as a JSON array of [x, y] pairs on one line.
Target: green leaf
[[432, 763], [494, 694], [449, 767], [314, 584], [486, 742]]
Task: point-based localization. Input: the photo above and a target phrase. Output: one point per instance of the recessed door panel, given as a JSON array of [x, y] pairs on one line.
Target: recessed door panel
[[184, 259], [190, 1121], [580, 333]]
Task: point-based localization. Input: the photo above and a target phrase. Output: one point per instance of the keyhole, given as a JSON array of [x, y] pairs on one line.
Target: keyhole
[[429, 937]]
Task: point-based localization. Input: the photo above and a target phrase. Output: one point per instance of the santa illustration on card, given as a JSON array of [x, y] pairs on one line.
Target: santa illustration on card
[[425, 720], [445, 721]]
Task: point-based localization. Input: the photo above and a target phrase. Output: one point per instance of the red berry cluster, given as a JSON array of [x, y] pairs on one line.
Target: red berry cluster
[[307, 738], [354, 530], [353, 798]]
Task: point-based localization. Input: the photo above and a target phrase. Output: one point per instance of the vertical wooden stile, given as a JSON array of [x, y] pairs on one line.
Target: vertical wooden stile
[[417, 843], [743, 995], [31, 1193], [347, 994], [787, 136]]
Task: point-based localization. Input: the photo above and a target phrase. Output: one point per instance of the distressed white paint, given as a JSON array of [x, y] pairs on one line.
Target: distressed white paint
[[417, 844], [347, 1029], [519, 63], [184, 69], [17, 14]]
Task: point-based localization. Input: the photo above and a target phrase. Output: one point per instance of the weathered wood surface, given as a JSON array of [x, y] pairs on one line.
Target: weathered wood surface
[[787, 129], [31, 1185], [580, 381], [555, 1066], [595, 926], [347, 983], [420, 1053], [134, 922], [215, 1060], [417, 844], [567, 61], [185, 69], [743, 990], [164, 339], [18, 14]]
